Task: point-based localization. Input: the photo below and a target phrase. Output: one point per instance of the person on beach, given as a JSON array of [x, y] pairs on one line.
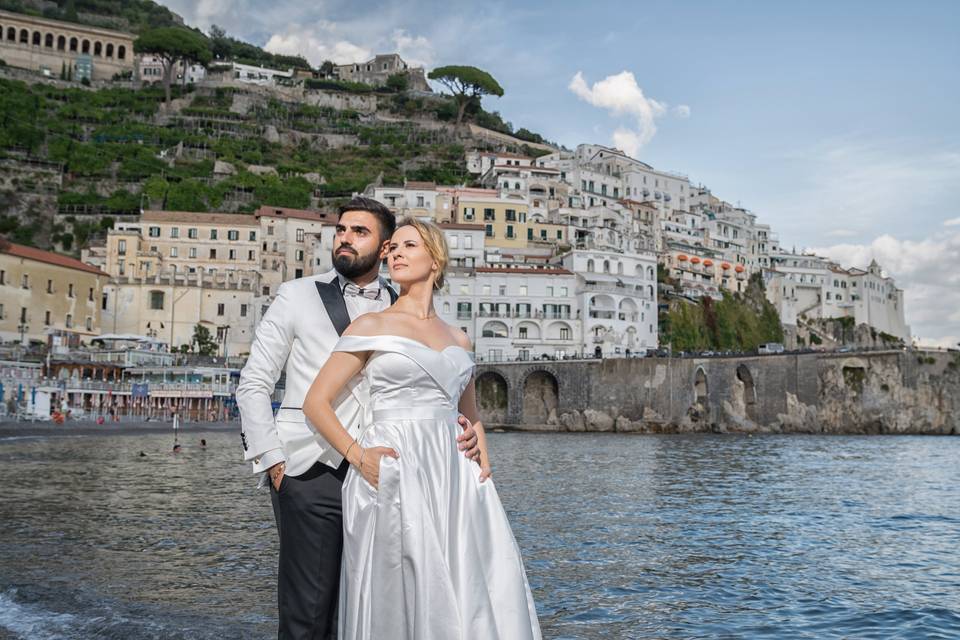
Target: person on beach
[[297, 334], [428, 553]]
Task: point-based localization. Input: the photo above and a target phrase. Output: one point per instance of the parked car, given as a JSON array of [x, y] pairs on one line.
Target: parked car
[[770, 347]]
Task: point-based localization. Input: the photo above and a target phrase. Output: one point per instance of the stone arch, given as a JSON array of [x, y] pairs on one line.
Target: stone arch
[[749, 391], [98, 48], [590, 265], [48, 41], [74, 43], [24, 36], [121, 52], [606, 266], [628, 311], [11, 34], [37, 36], [700, 387], [541, 392], [532, 330], [495, 329], [85, 46], [61, 43], [620, 268], [109, 52], [492, 397]]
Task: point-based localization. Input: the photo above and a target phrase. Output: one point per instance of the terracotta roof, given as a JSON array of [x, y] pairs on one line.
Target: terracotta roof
[[39, 255], [528, 270], [461, 225], [200, 218], [429, 186], [299, 214]]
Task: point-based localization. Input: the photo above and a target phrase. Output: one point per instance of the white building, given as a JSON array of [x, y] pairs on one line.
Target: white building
[[616, 300], [814, 287], [150, 69], [465, 243], [259, 75], [514, 312]]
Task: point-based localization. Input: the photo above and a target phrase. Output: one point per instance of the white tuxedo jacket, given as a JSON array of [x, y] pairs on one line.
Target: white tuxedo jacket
[[297, 330]]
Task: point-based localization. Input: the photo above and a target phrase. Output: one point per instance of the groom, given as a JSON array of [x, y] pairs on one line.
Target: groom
[[299, 330]]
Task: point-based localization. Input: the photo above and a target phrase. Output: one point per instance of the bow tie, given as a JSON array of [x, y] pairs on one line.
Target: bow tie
[[369, 293]]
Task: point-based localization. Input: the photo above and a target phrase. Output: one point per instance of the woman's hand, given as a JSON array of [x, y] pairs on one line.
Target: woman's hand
[[485, 472], [370, 463]]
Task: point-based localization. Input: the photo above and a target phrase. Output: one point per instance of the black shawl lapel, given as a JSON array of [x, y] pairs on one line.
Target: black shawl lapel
[[332, 298]]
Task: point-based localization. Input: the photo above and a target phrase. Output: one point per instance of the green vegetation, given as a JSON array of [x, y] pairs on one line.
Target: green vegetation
[[126, 15], [202, 341], [738, 322], [172, 45], [467, 84]]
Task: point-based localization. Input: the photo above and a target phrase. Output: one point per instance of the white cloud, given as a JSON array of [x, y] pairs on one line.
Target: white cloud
[[415, 50], [317, 42], [925, 269], [952, 222], [682, 111], [621, 96]]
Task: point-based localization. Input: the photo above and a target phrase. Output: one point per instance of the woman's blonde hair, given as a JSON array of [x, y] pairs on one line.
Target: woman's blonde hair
[[435, 243]]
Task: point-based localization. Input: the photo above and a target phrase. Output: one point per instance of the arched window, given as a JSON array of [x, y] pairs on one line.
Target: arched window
[[61, 43], [97, 49], [606, 266], [11, 34], [73, 44], [48, 41], [24, 36], [109, 49], [590, 265], [85, 47], [650, 274], [620, 268], [36, 38], [121, 52]]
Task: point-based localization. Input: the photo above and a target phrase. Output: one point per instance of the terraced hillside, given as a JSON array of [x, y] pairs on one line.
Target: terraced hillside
[[73, 158]]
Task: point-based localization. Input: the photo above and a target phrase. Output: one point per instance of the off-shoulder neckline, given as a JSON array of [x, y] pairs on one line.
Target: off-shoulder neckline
[[413, 340]]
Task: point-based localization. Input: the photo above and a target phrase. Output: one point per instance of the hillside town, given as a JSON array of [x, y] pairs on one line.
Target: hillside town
[[555, 254]]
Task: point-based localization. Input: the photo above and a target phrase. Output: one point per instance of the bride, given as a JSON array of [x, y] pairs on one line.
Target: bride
[[428, 551]]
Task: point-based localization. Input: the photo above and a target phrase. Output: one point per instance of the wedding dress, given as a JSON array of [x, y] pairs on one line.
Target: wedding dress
[[430, 554]]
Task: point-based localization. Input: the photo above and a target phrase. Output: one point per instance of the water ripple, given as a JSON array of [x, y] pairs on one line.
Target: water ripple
[[623, 536]]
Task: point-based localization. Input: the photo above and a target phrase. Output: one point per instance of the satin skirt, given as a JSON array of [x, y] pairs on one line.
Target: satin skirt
[[430, 554]]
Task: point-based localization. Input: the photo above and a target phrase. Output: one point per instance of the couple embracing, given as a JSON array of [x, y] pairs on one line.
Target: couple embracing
[[386, 530]]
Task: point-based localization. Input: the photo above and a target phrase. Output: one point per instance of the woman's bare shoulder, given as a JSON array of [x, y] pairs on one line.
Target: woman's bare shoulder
[[460, 337], [369, 324]]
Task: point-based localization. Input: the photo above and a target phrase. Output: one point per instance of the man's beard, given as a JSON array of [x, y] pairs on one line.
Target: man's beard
[[353, 265]]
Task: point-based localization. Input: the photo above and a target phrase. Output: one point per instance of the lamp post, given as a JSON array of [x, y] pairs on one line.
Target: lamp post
[[22, 328]]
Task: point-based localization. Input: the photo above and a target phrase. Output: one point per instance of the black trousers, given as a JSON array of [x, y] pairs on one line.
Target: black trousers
[[309, 515]]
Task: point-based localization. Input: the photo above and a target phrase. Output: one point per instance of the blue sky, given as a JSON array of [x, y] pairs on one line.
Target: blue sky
[[835, 122]]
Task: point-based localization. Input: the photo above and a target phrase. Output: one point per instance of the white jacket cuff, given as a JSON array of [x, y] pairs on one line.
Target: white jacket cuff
[[267, 459]]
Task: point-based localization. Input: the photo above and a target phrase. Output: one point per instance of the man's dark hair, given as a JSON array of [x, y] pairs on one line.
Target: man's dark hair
[[388, 221]]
